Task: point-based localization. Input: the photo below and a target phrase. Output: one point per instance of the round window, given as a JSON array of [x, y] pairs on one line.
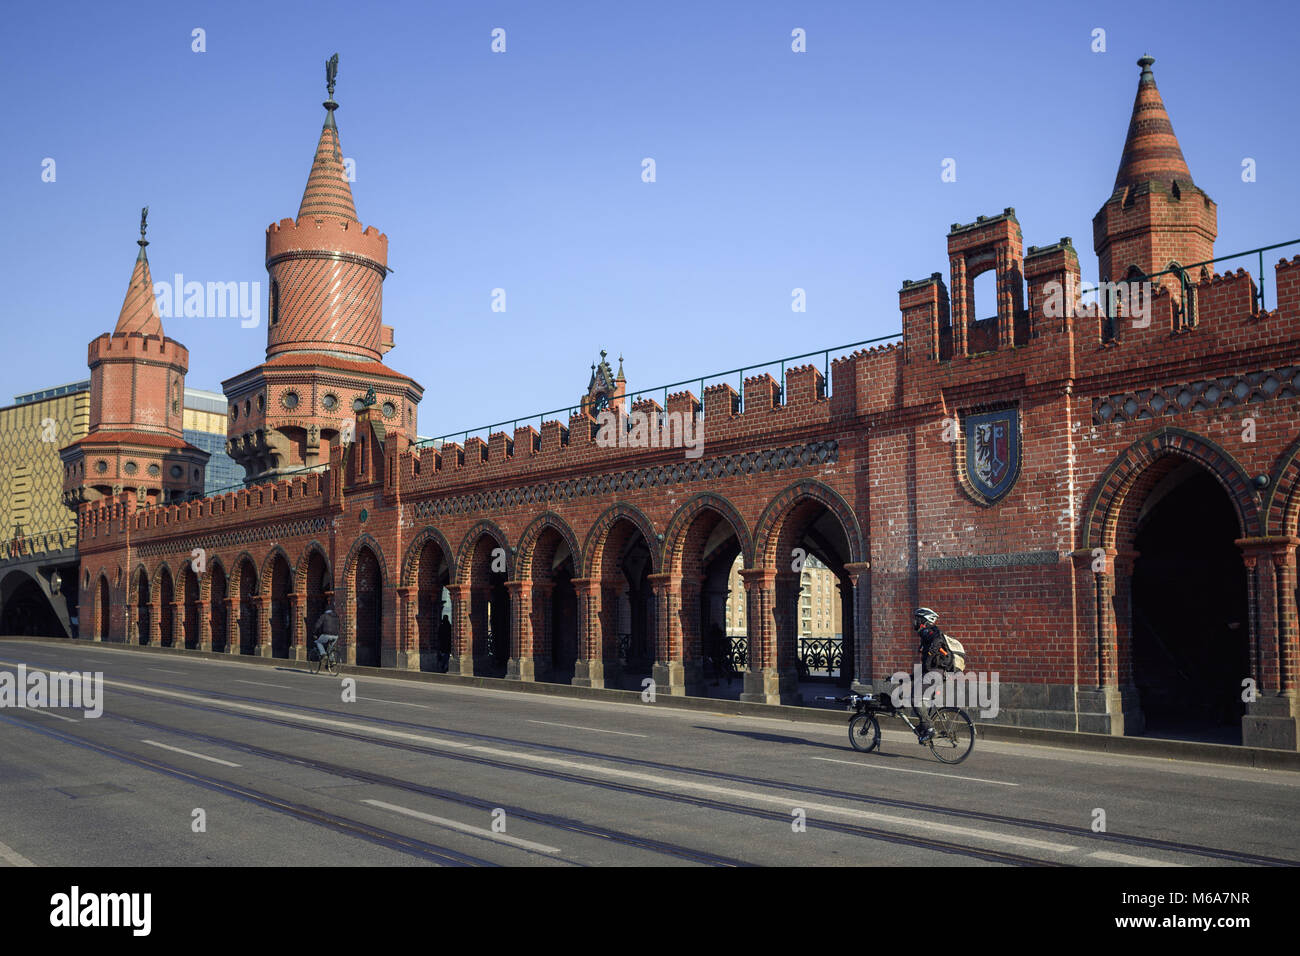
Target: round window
[[101, 466], [247, 408], [130, 467], [155, 470], [389, 409], [330, 401], [261, 402], [289, 399], [177, 471], [234, 413], [358, 404]]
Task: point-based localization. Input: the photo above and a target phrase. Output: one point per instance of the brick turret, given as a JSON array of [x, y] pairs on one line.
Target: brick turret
[[137, 399], [1156, 216], [325, 334]]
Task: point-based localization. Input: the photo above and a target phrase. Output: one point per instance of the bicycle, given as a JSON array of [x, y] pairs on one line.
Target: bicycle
[[329, 659], [954, 732]]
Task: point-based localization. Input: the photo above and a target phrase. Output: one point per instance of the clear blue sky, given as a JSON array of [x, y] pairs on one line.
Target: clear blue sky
[[522, 170]]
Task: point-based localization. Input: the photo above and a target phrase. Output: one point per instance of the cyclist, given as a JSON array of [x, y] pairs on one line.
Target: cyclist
[[327, 628], [925, 622]]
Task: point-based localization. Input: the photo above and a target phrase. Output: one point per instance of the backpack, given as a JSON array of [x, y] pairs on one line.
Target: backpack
[[950, 655]]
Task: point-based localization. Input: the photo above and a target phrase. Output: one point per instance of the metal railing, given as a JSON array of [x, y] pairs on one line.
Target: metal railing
[[1107, 303], [714, 378]]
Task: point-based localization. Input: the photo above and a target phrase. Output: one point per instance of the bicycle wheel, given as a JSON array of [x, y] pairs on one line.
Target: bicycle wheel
[[333, 663], [954, 735], [315, 663], [864, 733]]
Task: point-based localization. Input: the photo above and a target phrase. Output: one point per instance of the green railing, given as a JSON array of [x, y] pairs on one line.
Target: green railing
[[714, 378], [1182, 272]]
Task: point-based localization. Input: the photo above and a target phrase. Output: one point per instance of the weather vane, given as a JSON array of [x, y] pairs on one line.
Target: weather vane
[[331, 73], [144, 215]]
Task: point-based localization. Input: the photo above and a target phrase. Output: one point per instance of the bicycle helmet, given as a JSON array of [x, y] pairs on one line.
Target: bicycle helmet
[[923, 616]]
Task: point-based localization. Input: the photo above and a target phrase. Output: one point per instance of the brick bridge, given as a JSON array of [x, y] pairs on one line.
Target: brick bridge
[[1100, 501]]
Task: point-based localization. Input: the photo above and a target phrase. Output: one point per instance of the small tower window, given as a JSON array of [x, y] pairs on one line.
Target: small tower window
[[275, 302]]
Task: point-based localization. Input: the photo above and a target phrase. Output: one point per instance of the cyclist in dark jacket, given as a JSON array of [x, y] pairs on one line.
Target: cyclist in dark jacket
[[925, 622], [327, 628]]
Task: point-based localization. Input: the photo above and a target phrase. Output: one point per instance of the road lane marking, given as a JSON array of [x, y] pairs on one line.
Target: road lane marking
[[190, 753], [1130, 860], [13, 857], [465, 827], [163, 670], [39, 710], [928, 773], [404, 703], [790, 795], [594, 730], [260, 684]]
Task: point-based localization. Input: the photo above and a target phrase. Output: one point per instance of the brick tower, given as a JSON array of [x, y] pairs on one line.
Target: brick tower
[[1156, 216], [137, 403], [325, 335]]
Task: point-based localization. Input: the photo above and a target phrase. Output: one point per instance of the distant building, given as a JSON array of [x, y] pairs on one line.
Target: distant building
[[32, 430], [205, 427]]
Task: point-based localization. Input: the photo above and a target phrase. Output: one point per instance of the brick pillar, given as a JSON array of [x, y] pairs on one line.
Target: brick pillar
[[461, 660], [1272, 718], [155, 622], [407, 634], [178, 624], [1107, 701], [232, 626], [1006, 301], [130, 620], [673, 673], [857, 630], [205, 625], [961, 305], [526, 663], [263, 647], [764, 682], [589, 670], [299, 626]]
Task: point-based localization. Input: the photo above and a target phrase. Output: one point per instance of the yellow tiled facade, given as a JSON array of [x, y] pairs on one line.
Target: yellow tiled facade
[[31, 473]]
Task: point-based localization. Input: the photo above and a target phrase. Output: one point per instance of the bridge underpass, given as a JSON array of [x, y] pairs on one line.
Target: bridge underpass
[[38, 585]]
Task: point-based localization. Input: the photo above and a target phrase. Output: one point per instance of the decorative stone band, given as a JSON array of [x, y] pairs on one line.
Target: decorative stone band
[[230, 539], [1226, 392], [654, 476], [1016, 559]]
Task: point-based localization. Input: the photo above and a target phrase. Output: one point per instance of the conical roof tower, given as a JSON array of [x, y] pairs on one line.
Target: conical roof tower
[[1156, 216]]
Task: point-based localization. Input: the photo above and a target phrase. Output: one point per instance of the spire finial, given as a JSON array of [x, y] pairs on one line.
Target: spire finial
[[1146, 61], [144, 225], [331, 75]]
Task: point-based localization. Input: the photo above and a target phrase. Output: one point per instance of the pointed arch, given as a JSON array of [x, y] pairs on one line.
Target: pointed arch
[[464, 556], [350, 563], [268, 565], [411, 559], [681, 522], [594, 549], [1282, 511], [1102, 510], [304, 561], [527, 546], [769, 524], [205, 579]]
